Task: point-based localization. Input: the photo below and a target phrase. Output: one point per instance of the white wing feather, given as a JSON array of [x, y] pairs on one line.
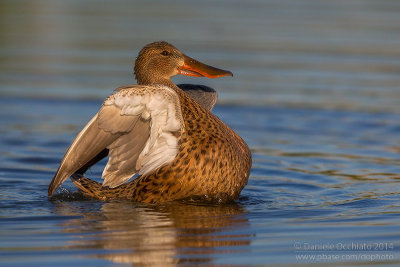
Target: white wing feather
[[159, 106]]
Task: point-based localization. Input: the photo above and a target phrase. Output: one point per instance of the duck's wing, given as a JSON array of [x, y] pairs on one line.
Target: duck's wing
[[204, 95], [139, 125]]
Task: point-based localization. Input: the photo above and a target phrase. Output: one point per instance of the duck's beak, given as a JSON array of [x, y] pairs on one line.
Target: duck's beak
[[192, 67]]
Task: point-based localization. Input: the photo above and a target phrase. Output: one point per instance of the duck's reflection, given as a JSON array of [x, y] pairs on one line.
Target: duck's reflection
[[165, 235]]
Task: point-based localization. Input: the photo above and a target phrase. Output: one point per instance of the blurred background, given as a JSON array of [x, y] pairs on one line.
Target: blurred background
[[333, 54], [315, 94]]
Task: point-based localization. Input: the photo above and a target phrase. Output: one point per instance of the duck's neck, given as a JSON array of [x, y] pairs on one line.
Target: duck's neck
[[149, 81]]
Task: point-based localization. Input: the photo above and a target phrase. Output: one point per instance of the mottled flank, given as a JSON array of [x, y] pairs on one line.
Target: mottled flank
[[213, 163]]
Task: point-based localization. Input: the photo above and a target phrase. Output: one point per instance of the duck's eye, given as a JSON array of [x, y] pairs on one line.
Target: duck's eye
[[165, 53]]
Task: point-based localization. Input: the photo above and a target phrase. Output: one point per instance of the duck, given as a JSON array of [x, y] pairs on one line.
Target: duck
[[164, 137]]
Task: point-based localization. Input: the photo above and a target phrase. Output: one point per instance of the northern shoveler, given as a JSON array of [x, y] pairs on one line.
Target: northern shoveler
[[166, 135]]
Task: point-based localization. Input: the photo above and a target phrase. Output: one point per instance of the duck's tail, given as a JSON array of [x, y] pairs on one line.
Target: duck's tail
[[97, 190]]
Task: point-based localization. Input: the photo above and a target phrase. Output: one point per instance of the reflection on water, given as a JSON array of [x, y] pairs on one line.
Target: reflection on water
[[155, 235], [311, 182], [315, 94]]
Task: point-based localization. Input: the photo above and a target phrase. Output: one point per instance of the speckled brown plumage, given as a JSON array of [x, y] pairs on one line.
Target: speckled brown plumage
[[213, 164]]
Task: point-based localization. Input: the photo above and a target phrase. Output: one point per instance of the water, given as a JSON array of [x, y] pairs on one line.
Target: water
[[315, 95]]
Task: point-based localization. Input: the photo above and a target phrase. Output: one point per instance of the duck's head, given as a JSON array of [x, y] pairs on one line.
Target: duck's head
[[157, 62]]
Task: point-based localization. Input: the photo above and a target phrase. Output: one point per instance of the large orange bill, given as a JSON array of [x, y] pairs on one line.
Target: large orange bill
[[192, 67]]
